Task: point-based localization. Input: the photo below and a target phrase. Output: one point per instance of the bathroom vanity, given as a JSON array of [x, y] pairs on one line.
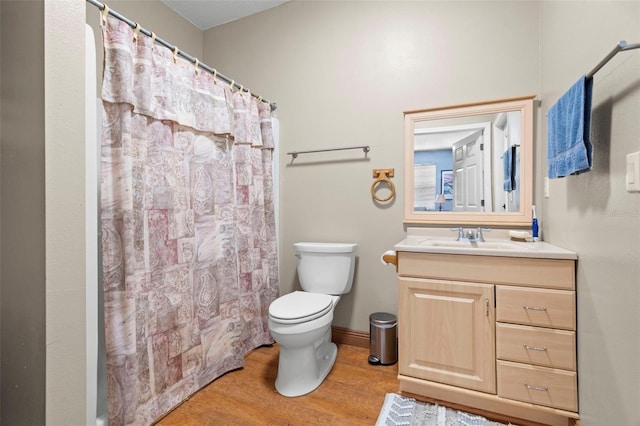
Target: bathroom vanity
[[489, 325], [485, 324]]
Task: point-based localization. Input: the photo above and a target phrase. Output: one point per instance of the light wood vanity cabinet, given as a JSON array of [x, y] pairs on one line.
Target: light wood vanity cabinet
[[449, 328], [493, 333]]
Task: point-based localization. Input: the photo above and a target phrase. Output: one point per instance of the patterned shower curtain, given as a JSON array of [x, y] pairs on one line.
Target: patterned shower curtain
[[188, 226]]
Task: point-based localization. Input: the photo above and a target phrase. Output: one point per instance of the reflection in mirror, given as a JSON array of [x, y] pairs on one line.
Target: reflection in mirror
[[470, 163]]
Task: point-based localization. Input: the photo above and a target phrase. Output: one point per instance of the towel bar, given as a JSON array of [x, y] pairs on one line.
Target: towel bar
[[620, 47], [295, 154]]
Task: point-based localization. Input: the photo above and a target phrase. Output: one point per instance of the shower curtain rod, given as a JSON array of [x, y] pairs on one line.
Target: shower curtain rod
[[174, 48], [620, 47]]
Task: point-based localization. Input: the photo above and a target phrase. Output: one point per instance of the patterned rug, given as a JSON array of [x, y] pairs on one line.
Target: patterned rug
[[402, 411]]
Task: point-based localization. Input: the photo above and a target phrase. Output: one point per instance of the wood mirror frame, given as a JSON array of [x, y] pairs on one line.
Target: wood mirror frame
[[435, 116]]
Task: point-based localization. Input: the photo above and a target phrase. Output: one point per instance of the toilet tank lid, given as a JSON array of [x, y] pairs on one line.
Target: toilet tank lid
[[325, 247], [299, 305]]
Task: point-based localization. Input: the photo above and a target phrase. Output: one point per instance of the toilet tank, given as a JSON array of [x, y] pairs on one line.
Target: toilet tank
[[326, 268]]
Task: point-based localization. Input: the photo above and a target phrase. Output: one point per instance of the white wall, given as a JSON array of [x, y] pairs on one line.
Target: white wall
[[592, 213], [64, 166]]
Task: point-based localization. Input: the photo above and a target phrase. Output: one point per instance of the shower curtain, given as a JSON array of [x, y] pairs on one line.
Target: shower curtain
[[188, 226]]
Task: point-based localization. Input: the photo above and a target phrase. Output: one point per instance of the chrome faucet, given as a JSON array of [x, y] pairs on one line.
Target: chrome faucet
[[479, 236], [469, 235], [460, 232]]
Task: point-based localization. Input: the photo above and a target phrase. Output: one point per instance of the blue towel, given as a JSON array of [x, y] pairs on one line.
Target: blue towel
[[508, 159], [568, 120], [516, 166]]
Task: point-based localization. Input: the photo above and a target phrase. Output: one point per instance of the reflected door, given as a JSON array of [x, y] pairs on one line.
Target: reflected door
[[467, 166]]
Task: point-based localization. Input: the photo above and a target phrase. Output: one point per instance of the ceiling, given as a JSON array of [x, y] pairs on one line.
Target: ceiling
[[206, 14]]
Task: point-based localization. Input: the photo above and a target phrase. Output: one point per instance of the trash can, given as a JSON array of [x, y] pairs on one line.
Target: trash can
[[383, 338]]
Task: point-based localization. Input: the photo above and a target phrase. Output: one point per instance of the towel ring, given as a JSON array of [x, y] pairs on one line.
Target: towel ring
[[382, 176]]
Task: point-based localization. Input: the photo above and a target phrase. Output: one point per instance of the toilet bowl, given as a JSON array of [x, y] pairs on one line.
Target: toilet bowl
[[300, 322]]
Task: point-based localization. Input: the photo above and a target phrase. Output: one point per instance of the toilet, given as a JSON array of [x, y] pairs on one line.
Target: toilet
[[300, 322]]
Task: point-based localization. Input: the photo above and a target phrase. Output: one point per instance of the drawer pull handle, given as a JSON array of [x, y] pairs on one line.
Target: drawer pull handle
[[536, 388], [534, 348], [534, 308]]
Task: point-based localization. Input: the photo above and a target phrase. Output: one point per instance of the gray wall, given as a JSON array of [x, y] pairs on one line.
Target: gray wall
[[342, 73], [22, 308], [592, 213], [42, 335], [0, 216]]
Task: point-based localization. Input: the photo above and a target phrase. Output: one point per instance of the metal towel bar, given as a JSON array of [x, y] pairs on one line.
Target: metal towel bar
[[620, 47], [295, 154]]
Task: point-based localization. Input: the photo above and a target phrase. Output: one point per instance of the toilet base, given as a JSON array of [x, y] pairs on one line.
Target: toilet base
[[303, 369]]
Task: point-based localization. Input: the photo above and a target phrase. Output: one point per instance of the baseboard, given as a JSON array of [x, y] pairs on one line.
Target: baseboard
[[346, 336]]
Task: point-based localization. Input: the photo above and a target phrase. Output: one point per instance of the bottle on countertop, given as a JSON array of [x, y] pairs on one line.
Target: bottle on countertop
[[534, 225]]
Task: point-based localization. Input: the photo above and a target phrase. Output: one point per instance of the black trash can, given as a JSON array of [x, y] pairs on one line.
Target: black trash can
[[383, 338]]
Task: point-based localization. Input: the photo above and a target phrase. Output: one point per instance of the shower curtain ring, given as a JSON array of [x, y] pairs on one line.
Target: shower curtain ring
[[136, 31], [105, 12]]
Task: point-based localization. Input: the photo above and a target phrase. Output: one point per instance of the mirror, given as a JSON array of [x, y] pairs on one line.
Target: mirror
[[470, 164]]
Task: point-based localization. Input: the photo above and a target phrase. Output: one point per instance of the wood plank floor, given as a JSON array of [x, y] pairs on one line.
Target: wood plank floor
[[352, 394]]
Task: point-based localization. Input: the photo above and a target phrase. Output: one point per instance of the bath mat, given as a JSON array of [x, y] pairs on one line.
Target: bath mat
[[402, 411]]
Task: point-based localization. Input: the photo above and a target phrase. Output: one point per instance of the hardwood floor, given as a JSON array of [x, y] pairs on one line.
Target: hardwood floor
[[352, 394]]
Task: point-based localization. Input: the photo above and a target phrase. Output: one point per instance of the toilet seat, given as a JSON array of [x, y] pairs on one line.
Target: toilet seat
[[300, 306]]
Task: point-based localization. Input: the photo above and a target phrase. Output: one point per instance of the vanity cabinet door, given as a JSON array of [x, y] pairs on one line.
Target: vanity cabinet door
[[447, 332]]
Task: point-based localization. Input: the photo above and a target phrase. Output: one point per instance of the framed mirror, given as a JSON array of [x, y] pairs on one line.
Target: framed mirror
[[470, 164]]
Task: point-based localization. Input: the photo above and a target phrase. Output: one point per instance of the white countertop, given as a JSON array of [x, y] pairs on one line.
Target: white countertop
[[497, 243]]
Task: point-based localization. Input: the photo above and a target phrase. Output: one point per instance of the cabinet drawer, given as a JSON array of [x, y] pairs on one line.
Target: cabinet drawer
[[534, 345], [540, 307], [519, 271], [538, 385]]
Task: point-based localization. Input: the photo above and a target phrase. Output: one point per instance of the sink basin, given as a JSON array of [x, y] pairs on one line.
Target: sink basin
[[487, 245]]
